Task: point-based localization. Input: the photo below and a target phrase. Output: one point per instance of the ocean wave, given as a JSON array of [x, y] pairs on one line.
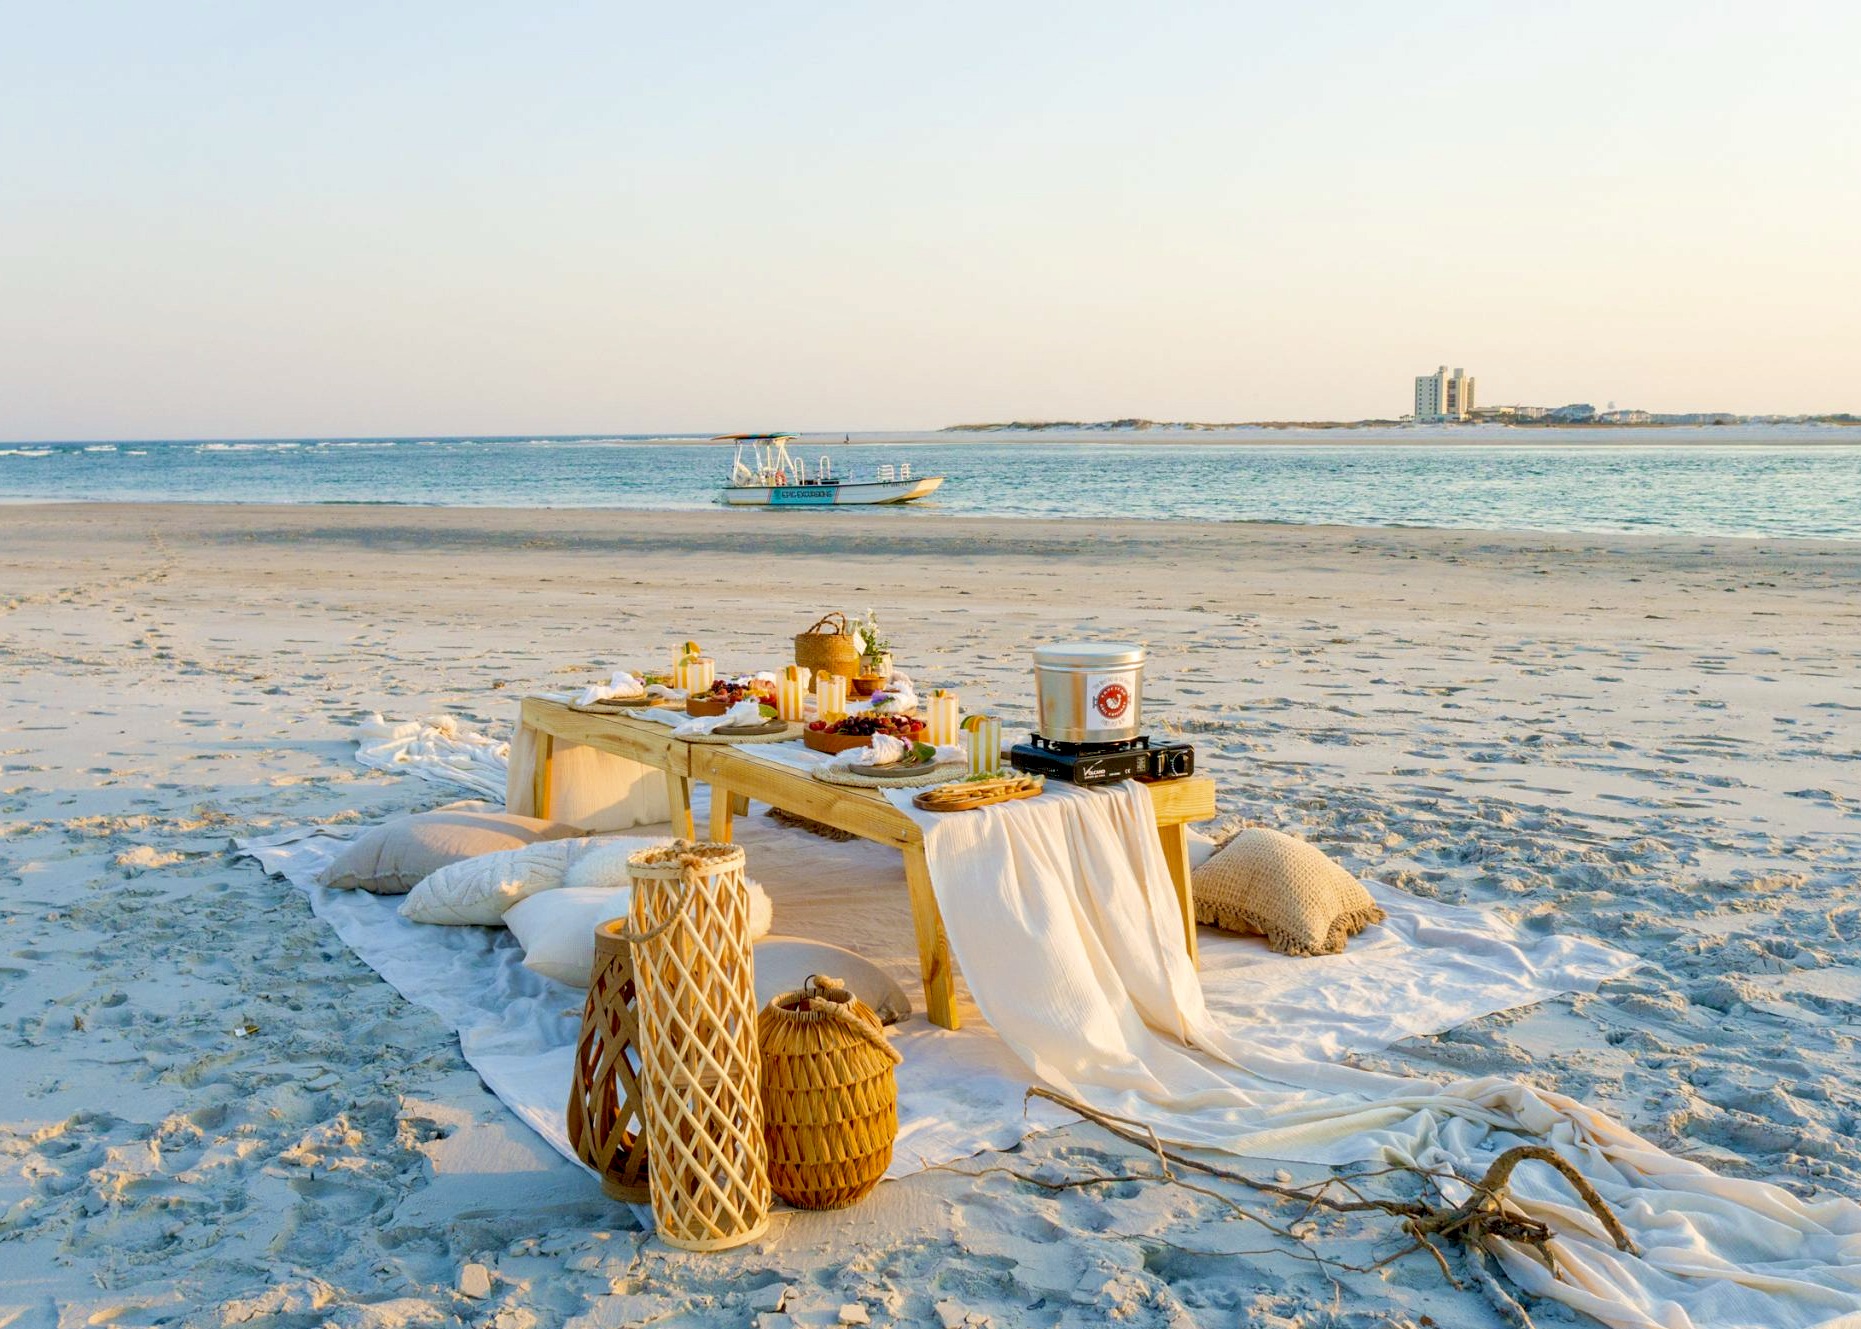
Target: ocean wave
[[25, 452], [101, 447]]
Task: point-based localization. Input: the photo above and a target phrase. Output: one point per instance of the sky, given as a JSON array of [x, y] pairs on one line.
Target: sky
[[240, 220]]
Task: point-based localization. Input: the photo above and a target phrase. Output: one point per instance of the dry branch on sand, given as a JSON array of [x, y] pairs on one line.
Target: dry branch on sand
[[1485, 1215]]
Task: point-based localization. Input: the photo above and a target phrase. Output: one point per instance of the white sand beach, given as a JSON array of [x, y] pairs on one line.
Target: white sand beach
[[1650, 741]]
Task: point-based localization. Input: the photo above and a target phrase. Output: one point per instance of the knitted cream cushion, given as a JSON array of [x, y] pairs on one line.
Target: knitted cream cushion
[[1286, 890]]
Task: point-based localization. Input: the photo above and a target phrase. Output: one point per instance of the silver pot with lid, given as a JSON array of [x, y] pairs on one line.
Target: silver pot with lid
[[1089, 691]]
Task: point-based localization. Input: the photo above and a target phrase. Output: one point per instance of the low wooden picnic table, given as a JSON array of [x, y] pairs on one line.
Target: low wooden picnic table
[[737, 774]]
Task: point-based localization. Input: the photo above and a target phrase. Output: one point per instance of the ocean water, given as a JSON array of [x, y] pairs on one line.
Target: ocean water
[[1769, 489]]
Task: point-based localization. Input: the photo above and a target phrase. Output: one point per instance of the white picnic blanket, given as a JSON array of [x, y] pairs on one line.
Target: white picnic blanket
[[1060, 912], [1429, 967], [436, 748]]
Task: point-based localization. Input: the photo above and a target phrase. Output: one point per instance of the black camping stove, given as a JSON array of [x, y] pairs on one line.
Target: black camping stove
[[1103, 763]]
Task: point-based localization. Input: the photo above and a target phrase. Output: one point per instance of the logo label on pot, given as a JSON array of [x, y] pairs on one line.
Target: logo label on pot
[[1110, 699]]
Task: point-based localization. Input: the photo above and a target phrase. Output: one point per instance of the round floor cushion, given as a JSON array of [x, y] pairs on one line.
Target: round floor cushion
[[1278, 886]]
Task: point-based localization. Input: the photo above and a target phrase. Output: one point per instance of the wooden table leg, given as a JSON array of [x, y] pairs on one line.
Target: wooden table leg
[[1176, 854], [678, 794], [933, 947], [723, 803], [542, 777]]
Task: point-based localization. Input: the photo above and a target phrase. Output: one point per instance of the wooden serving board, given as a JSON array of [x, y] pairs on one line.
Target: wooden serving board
[[963, 797]]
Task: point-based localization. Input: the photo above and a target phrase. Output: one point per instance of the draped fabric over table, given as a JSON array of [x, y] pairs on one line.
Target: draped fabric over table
[[1061, 915]]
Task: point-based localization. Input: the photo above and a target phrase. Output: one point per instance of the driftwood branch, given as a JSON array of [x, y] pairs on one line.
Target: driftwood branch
[[1485, 1215]]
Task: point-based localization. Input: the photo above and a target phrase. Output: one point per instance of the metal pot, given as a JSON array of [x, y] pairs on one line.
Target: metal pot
[[1090, 692]]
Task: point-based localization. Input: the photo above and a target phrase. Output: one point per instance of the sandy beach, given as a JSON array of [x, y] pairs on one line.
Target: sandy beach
[[1648, 740]]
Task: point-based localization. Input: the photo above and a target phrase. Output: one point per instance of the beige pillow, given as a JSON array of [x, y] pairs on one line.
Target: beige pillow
[[393, 858], [1286, 890]]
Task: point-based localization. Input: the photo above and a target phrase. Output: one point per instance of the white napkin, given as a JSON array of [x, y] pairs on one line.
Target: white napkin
[[885, 751], [622, 684], [900, 698], [746, 712]]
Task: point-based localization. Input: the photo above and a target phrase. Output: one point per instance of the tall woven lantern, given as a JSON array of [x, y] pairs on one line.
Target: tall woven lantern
[[830, 1095], [605, 1123], [701, 1079]]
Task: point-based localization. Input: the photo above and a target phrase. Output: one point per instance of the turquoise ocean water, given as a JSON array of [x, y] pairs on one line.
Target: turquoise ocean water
[[1759, 490]]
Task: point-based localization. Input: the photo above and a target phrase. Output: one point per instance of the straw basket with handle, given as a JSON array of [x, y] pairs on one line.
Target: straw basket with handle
[[830, 1095], [829, 647], [605, 1124], [689, 928]]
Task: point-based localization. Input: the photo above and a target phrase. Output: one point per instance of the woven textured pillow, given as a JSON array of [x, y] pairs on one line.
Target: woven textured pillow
[[395, 857], [1284, 889]]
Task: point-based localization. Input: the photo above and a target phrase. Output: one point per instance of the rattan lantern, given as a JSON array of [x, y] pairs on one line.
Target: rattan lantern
[[606, 1127], [701, 1078], [830, 1095]]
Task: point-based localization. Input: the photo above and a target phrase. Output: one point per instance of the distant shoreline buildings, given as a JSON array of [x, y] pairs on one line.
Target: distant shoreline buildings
[[1441, 396], [1444, 398]]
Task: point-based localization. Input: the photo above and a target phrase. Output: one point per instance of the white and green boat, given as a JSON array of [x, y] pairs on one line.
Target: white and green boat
[[766, 475]]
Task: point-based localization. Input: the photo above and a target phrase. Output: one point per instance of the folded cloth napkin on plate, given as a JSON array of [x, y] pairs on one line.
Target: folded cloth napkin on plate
[[897, 697], [746, 712], [622, 684], [886, 751]]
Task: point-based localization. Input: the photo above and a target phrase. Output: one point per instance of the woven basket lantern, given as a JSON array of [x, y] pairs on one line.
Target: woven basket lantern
[[701, 1079], [829, 647], [605, 1123], [830, 1095]]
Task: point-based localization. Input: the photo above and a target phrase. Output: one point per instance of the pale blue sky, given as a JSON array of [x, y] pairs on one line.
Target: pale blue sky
[[270, 219]]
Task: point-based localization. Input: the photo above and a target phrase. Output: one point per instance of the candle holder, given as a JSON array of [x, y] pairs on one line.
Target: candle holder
[[791, 696], [830, 697], [982, 736], [693, 671], [946, 715]]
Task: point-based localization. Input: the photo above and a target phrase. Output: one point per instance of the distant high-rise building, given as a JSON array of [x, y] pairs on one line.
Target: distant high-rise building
[[1443, 396]]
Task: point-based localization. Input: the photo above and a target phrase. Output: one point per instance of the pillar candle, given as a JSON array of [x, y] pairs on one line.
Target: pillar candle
[[982, 735], [945, 717]]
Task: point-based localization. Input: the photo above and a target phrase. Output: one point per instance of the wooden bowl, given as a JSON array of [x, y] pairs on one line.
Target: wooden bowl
[[705, 706], [834, 743], [865, 687]]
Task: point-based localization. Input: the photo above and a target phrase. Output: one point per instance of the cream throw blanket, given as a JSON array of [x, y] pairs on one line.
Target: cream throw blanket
[[1060, 912]]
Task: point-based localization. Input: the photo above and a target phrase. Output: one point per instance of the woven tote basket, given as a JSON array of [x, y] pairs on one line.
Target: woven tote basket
[[702, 1100], [830, 1095], [605, 1124], [828, 647]]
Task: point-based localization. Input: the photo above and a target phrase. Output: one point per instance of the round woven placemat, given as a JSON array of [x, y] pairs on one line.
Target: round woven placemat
[[788, 733], [621, 705], [942, 773]]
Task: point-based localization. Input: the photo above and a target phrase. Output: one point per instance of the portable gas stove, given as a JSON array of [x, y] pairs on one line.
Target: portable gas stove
[[1103, 763]]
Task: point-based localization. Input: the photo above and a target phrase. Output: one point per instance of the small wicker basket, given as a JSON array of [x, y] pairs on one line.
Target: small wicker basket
[[829, 647], [830, 1095], [605, 1124]]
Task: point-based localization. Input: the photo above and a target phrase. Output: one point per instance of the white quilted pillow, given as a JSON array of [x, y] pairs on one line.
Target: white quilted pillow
[[556, 928]]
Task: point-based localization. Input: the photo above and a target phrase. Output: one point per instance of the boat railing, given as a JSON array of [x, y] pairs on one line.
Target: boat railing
[[886, 474], [904, 471]]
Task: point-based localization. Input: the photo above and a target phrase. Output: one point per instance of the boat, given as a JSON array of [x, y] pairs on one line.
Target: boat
[[766, 475]]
